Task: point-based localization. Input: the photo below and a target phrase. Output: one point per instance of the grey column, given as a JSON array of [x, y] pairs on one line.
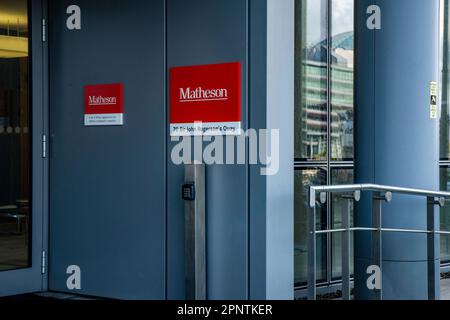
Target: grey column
[[397, 142]]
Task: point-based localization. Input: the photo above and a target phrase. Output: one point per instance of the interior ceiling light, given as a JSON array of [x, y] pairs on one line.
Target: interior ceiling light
[[13, 19], [13, 47]]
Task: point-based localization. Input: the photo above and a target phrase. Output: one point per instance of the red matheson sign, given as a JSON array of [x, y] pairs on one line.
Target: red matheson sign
[[103, 105], [205, 100]]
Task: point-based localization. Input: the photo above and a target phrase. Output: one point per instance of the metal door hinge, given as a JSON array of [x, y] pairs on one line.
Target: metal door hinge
[[44, 146], [44, 262], [44, 30]]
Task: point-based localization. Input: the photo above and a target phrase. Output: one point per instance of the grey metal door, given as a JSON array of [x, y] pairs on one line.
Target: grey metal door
[[22, 165], [107, 183]]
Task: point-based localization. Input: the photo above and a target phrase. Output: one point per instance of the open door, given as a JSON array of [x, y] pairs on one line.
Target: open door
[[22, 164]]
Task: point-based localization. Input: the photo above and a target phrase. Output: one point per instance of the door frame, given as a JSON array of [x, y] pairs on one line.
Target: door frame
[[34, 279]]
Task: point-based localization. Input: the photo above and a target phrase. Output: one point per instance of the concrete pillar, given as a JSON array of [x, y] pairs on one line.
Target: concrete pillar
[[396, 140]]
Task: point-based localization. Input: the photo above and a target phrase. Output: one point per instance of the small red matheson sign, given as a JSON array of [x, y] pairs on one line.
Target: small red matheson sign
[[205, 100], [103, 105]]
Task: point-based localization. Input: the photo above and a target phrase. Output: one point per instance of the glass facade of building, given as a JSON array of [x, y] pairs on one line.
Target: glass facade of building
[[324, 124]]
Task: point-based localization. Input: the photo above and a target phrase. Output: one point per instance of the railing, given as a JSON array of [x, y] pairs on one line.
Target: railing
[[380, 194]]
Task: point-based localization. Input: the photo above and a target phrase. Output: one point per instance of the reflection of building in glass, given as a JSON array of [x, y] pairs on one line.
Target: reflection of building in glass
[[314, 116]]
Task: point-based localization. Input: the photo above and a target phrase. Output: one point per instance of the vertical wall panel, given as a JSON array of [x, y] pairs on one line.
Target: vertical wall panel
[[107, 184], [204, 32]]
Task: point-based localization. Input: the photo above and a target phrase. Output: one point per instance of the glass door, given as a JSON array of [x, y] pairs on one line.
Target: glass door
[[21, 125]]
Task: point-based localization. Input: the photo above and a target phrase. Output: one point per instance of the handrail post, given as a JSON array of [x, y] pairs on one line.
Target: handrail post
[[346, 290], [377, 254], [312, 243], [346, 242], [431, 246]]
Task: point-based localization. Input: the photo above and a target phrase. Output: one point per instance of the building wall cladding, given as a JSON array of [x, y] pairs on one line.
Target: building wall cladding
[[249, 216], [107, 209], [248, 227], [205, 32]]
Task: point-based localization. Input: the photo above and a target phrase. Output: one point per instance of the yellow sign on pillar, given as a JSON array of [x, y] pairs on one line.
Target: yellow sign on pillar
[[433, 100]]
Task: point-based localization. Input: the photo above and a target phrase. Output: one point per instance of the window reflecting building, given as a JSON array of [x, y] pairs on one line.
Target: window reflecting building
[[324, 147], [324, 122]]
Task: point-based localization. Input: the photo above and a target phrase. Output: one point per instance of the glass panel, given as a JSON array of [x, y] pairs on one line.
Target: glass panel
[[340, 176], [342, 55], [445, 217], [311, 92], [304, 179], [14, 136]]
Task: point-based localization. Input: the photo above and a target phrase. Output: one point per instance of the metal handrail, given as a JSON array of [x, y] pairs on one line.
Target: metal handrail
[[313, 190], [381, 194]]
